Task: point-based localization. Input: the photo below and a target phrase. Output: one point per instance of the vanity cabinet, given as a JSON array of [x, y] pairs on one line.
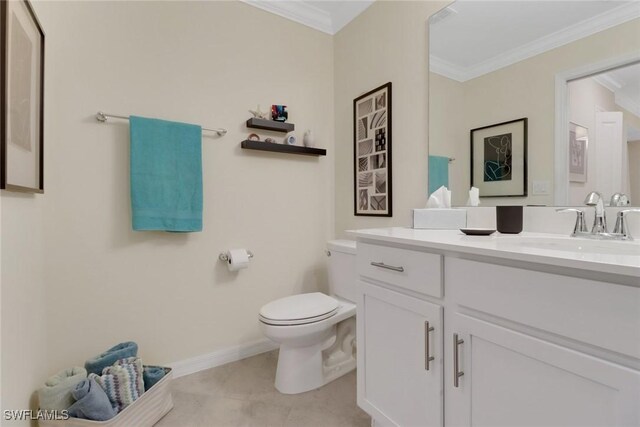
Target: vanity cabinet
[[509, 378], [520, 346], [399, 357]]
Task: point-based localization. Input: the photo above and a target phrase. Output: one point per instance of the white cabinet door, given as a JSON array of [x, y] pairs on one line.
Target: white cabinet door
[[394, 342], [512, 379]]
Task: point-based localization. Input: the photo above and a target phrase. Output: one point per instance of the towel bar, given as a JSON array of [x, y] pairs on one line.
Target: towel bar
[[102, 117]]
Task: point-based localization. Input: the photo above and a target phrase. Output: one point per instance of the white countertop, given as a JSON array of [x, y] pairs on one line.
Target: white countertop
[[612, 257]]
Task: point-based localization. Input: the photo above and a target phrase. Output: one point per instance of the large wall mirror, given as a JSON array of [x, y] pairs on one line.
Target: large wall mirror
[[535, 103]]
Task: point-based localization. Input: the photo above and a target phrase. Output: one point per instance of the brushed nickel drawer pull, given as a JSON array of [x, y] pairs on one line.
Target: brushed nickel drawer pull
[[388, 267], [427, 357], [456, 369]]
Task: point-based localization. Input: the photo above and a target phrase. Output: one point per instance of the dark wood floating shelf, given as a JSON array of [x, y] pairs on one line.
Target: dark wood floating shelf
[[257, 123], [281, 148]]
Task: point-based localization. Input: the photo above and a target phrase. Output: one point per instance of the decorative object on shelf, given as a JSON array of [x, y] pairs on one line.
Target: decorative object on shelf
[[253, 137], [270, 140], [282, 148], [578, 150], [372, 150], [22, 98], [290, 139], [499, 159], [308, 139], [279, 113], [259, 114]]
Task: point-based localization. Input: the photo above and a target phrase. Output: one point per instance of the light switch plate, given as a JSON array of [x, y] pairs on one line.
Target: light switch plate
[[541, 188]]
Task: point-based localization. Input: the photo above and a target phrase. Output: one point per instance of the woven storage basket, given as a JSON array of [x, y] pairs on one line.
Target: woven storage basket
[[144, 412]]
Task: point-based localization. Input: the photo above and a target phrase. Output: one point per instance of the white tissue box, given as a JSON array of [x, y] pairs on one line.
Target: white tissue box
[[440, 219]]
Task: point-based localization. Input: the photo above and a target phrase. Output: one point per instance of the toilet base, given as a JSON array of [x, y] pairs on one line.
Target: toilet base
[[302, 369]]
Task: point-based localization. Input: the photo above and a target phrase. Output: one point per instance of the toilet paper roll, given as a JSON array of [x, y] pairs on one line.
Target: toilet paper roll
[[237, 259]]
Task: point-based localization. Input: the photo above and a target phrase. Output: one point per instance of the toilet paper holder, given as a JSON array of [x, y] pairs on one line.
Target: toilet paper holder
[[224, 256]]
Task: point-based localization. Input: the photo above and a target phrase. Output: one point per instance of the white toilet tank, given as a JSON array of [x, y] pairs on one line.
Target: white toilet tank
[[342, 269]]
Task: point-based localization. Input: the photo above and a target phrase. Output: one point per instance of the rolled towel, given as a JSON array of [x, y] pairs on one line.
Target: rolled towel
[[122, 382], [92, 403], [56, 393], [151, 375], [109, 357]]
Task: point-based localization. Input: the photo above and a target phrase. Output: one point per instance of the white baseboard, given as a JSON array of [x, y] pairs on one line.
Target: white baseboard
[[221, 357]]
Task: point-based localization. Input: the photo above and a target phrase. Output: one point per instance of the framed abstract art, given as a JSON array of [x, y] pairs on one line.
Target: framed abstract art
[[372, 153], [499, 159]]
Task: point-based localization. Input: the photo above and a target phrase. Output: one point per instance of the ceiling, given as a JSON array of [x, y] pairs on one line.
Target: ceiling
[[328, 16], [472, 38]]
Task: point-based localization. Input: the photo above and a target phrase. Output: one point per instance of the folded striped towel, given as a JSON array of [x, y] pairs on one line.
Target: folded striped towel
[[122, 382]]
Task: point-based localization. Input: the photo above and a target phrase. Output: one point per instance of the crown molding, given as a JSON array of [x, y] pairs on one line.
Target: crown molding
[[628, 103], [446, 69], [607, 81], [300, 12], [580, 30]]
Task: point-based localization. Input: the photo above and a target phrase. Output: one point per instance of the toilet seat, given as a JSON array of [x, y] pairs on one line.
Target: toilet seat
[[299, 309]]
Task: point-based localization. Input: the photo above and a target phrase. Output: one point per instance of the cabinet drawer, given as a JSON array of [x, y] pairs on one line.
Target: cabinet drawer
[[414, 270], [598, 313]]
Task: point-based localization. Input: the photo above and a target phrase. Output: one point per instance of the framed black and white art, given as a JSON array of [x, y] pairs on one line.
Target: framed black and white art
[[21, 98], [578, 150], [372, 152], [499, 159]]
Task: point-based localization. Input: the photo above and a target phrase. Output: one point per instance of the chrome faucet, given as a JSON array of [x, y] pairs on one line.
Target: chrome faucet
[[619, 199], [581, 226], [599, 229], [600, 220], [622, 229]]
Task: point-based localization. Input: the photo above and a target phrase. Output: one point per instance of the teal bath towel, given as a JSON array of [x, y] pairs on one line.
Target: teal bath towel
[[96, 365], [166, 175], [92, 402], [151, 375], [438, 172]]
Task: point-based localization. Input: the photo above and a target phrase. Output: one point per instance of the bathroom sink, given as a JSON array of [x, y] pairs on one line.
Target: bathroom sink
[[576, 245]]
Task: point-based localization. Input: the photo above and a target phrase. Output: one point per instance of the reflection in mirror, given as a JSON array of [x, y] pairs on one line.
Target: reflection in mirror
[[493, 62], [604, 108]]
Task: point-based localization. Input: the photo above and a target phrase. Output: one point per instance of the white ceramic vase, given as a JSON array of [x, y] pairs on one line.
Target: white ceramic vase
[[308, 139]]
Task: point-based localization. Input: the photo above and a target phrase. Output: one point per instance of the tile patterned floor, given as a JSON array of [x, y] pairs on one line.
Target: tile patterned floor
[[242, 394]]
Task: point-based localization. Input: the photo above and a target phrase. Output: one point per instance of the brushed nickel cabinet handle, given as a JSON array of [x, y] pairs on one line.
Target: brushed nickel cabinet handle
[[456, 368], [427, 356], [388, 267]]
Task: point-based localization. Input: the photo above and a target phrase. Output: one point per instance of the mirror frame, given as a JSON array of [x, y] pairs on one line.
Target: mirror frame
[[561, 168]]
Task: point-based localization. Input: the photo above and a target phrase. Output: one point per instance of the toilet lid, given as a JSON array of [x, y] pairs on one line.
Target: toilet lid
[[298, 309]]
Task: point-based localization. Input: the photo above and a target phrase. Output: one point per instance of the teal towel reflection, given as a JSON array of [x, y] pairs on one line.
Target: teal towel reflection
[[438, 172]]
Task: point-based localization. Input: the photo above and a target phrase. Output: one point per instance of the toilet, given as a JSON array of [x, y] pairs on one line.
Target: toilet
[[316, 332]]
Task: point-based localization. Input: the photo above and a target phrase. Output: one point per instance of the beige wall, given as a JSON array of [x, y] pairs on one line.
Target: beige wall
[[386, 43], [23, 299], [526, 89], [201, 62]]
